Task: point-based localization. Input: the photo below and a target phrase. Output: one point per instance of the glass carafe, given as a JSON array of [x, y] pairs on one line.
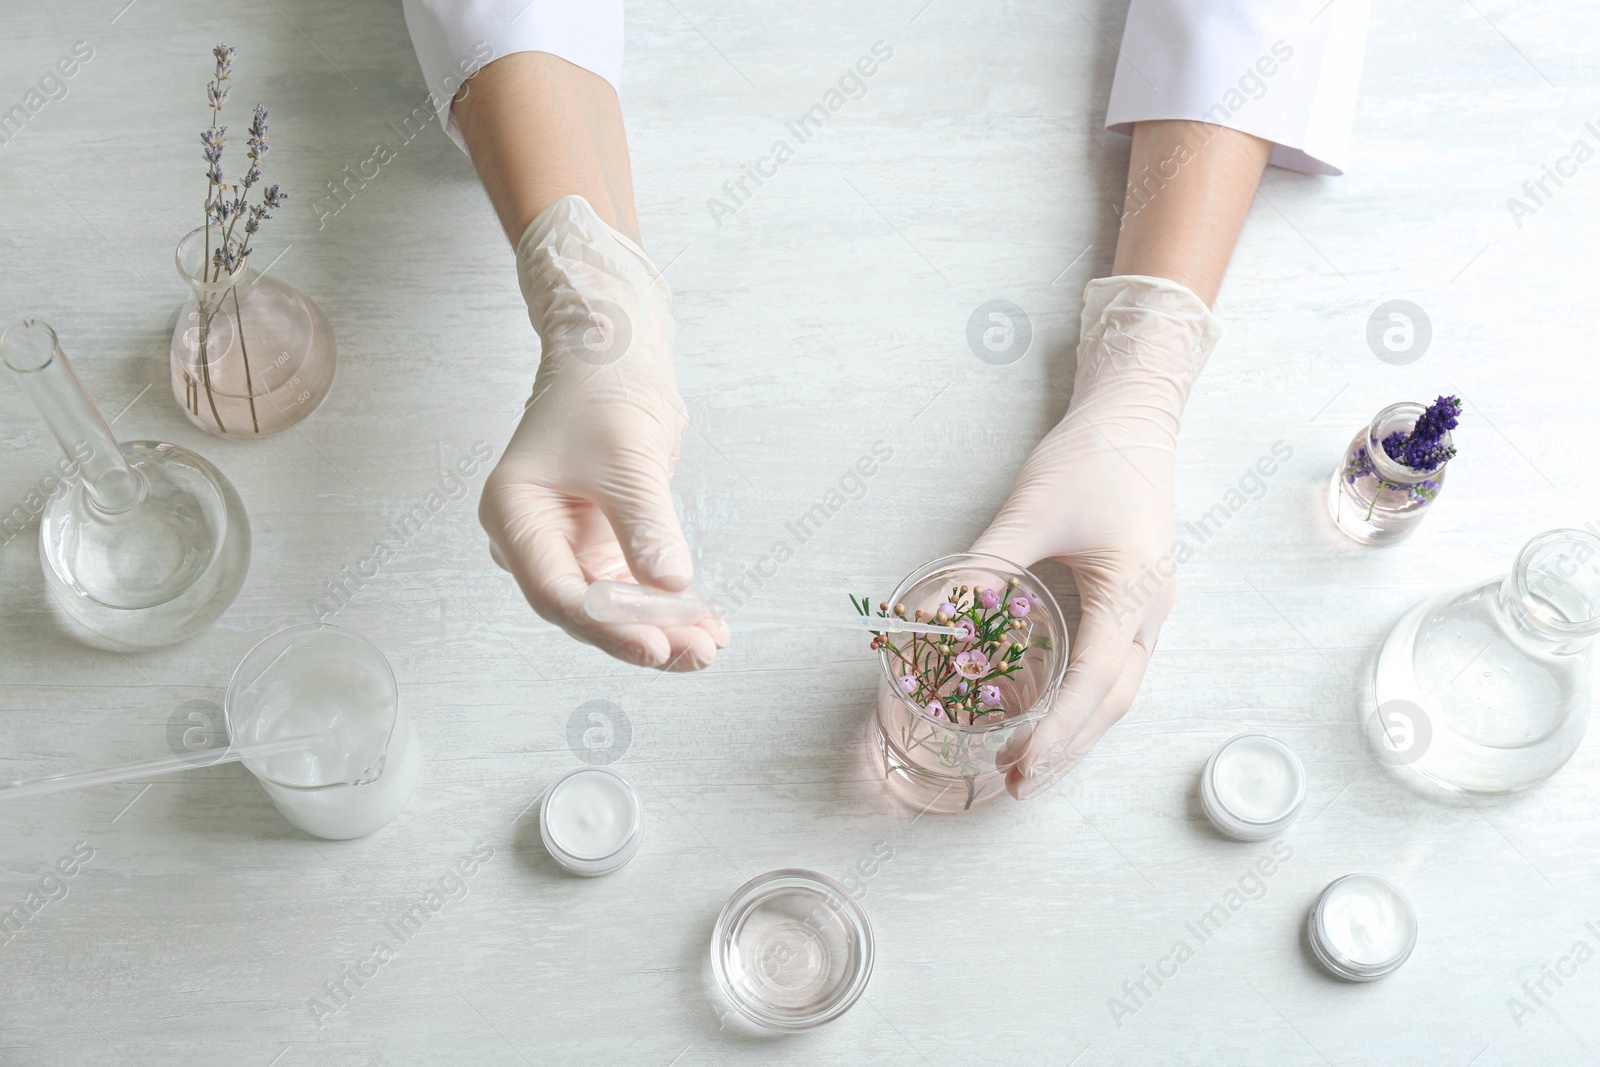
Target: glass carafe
[[251, 354], [149, 543], [1491, 686]]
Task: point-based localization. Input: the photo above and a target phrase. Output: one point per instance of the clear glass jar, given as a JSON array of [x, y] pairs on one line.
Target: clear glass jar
[[1493, 684], [943, 766], [251, 355], [1374, 498]]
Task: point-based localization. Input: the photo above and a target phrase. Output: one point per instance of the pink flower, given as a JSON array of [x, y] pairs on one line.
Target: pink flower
[[934, 710], [946, 608], [968, 631], [1019, 606], [908, 684], [989, 695], [972, 664], [988, 598], [961, 690]]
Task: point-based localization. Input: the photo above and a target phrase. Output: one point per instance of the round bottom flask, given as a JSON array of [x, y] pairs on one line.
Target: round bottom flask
[[146, 544], [156, 574]]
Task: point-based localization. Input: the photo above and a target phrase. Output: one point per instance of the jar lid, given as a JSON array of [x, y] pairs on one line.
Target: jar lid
[[1362, 927], [591, 821], [1252, 787], [792, 950]]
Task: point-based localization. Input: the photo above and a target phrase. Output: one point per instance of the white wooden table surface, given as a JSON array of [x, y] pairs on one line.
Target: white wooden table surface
[[827, 314]]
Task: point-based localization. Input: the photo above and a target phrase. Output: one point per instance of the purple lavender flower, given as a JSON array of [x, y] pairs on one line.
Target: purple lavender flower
[[273, 197], [988, 598], [1423, 449], [1357, 465], [989, 695]]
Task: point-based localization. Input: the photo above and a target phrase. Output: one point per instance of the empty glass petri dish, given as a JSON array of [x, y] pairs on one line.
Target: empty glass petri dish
[[792, 950]]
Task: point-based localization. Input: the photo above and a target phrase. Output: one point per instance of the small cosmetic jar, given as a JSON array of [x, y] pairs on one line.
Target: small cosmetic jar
[[792, 950], [1252, 787], [591, 821], [1362, 927]]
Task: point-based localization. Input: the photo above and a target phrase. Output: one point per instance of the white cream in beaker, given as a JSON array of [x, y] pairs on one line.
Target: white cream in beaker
[[323, 680]]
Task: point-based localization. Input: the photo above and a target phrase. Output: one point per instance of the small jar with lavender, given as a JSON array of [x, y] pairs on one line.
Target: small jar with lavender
[[1393, 471]]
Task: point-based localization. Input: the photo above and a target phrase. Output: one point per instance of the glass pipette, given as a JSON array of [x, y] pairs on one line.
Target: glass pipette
[[151, 768], [624, 602]]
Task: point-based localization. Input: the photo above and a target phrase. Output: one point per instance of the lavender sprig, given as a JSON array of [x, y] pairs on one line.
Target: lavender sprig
[[1423, 449], [225, 205], [222, 210]]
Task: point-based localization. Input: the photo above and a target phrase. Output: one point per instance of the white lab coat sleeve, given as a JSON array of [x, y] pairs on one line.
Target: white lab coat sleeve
[[454, 39], [1283, 70]]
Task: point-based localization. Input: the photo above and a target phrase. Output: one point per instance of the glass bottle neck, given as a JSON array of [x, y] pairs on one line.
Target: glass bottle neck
[[34, 357], [1553, 591], [213, 285]]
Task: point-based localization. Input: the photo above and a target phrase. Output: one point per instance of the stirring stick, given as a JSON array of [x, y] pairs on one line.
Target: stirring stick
[[151, 768], [624, 602]]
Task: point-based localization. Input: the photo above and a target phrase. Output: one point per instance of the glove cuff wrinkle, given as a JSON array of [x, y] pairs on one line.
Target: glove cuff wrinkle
[[573, 267], [1155, 328]]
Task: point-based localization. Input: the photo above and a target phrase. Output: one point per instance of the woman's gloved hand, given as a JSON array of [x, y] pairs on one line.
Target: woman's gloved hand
[[582, 490], [1097, 495]]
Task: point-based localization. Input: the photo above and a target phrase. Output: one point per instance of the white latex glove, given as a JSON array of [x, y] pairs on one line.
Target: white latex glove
[[1097, 495], [581, 492]]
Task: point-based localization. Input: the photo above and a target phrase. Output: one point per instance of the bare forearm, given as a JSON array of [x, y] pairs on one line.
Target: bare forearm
[[540, 128], [1190, 186]]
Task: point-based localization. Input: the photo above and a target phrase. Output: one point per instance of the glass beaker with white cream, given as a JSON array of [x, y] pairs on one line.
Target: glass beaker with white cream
[[322, 679]]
